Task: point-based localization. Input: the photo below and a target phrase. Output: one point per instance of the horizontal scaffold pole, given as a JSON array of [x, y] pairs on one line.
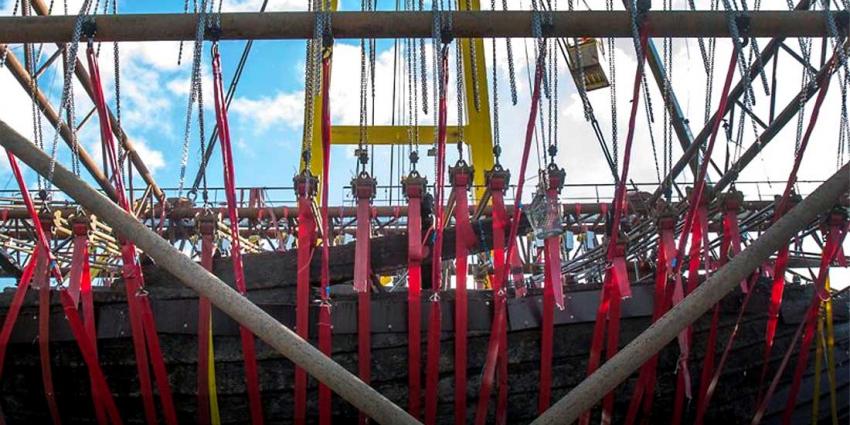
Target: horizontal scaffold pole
[[238, 307], [465, 24], [697, 303]]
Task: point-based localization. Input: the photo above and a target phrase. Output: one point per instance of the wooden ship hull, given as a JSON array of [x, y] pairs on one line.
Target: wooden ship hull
[[175, 308]]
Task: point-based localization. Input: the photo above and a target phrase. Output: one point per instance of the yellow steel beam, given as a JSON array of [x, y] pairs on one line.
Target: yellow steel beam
[[386, 134]]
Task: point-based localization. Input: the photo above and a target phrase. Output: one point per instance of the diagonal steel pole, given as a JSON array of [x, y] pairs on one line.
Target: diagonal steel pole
[[238, 307], [697, 303]]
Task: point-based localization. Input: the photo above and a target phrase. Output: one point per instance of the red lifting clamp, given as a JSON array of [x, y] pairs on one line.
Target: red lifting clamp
[[80, 225], [414, 185], [461, 174], [207, 224], [497, 179], [555, 178], [364, 186], [306, 184]]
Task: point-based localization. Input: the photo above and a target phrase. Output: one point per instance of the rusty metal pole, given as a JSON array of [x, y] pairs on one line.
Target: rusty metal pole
[[654, 338], [465, 24], [222, 296]]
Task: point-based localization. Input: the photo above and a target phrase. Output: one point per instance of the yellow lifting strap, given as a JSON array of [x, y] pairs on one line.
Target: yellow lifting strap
[[215, 418], [825, 348]]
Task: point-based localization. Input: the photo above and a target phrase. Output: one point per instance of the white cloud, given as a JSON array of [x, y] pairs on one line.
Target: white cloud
[[153, 158], [265, 112]]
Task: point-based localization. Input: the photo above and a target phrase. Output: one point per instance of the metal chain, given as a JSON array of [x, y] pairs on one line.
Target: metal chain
[[540, 54], [30, 63], [554, 60], [64, 103], [511, 69], [362, 141], [842, 63], [423, 68], [755, 51], [639, 54], [410, 67], [666, 56], [749, 94], [473, 66], [116, 62], [180, 47], [497, 148], [436, 73], [612, 72], [6, 46], [460, 88], [194, 88]]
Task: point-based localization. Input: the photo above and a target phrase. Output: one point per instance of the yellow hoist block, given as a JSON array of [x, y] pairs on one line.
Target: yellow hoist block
[[592, 63]]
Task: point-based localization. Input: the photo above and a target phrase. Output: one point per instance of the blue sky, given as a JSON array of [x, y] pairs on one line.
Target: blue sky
[[266, 117]]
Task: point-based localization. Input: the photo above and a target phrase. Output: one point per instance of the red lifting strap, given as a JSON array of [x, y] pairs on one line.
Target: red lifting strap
[[363, 187], [432, 367], [206, 227], [461, 179], [553, 291], [305, 188], [79, 287], [705, 399], [143, 329], [730, 246], [609, 305], [497, 180], [41, 282], [325, 336], [497, 345], [782, 206], [414, 189], [252, 380], [697, 257], [84, 339], [837, 232], [642, 397]]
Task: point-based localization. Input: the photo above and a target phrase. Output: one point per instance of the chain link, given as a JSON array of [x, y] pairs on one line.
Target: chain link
[[511, 68], [460, 88], [842, 65], [65, 101], [362, 141], [194, 89], [6, 46]]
